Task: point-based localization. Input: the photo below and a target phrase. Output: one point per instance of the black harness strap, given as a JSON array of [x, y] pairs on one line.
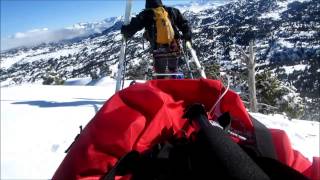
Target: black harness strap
[[264, 143], [233, 162]]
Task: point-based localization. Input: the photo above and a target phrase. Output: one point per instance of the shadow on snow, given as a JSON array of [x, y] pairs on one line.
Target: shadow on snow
[[52, 104]]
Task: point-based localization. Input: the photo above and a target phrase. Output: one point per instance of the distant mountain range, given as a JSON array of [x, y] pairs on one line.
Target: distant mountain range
[[286, 34], [81, 30], [37, 37]]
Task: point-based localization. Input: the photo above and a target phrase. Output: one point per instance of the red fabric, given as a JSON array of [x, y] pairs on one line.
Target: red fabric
[[294, 158], [314, 171], [282, 146], [142, 115]]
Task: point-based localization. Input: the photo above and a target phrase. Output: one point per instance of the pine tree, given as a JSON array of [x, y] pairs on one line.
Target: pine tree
[[274, 93]]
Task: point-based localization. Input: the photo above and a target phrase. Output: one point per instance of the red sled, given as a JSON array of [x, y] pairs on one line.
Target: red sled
[[145, 114]]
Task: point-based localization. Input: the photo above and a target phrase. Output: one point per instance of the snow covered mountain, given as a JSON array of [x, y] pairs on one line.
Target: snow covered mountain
[[286, 34], [75, 32]]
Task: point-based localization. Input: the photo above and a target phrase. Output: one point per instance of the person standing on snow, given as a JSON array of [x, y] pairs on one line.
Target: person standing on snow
[[162, 26]]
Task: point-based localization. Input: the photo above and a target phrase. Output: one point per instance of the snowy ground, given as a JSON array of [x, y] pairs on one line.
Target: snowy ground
[[38, 123]]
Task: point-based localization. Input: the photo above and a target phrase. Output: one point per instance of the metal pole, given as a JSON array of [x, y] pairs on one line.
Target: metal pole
[[195, 59], [120, 74]]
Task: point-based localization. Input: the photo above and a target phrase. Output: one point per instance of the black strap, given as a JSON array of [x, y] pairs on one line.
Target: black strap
[[264, 143], [68, 149], [277, 170], [233, 162], [125, 165]]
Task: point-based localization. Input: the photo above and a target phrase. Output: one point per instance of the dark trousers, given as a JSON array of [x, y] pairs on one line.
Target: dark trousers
[[166, 63], [166, 59]]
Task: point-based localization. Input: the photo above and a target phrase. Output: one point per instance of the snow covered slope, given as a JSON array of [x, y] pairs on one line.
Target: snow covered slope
[[38, 123], [286, 33]]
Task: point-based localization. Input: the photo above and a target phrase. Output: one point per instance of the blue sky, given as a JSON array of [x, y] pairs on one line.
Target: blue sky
[[26, 15]]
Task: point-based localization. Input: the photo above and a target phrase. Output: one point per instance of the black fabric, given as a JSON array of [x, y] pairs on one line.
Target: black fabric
[[166, 58], [277, 170], [264, 143], [161, 64], [225, 121], [124, 166], [179, 24], [153, 3], [233, 162]]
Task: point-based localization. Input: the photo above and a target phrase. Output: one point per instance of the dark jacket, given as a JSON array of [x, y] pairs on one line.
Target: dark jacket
[[145, 19]]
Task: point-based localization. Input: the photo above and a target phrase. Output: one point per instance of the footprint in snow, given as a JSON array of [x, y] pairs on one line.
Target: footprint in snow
[[54, 147]]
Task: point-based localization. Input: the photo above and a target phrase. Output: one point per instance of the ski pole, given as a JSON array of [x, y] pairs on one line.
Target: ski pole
[[124, 67], [123, 48], [187, 61], [196, 60]]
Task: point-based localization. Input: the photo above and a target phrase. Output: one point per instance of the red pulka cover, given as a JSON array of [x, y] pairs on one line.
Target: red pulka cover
[[143, 114]]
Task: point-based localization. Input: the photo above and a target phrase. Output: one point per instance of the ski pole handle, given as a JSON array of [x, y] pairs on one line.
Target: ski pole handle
[[127, 12]]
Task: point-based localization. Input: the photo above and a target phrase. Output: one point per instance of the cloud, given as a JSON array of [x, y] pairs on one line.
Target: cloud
[[38, 36]]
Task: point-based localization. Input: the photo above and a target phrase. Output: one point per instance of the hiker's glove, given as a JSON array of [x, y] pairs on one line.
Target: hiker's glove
[[125, 31], [188, 44]]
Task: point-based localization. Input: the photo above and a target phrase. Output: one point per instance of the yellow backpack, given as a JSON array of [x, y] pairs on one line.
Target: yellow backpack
[[165, 32]]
